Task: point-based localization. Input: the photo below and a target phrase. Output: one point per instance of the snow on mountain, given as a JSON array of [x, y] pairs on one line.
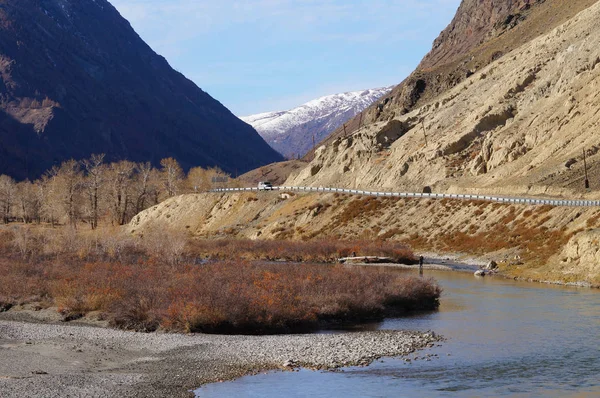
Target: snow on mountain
[[262, 118], [291, 132]]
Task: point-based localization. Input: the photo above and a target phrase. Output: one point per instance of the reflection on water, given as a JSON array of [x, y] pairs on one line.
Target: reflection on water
[[505, 338]]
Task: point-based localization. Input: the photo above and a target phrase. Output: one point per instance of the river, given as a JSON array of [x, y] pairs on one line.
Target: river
[[504, 338]]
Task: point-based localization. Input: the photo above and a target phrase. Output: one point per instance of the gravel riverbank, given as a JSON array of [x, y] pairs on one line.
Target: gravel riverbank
[[54, 360]]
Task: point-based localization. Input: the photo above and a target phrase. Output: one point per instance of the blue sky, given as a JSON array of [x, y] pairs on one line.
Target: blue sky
[[267, 55]]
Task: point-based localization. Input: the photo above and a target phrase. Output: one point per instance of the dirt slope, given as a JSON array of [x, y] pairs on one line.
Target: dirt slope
[[534, 242]]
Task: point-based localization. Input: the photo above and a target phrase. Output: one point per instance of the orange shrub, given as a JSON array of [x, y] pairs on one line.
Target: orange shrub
[[144, 291]]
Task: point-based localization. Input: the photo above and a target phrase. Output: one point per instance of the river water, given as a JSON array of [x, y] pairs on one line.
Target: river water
[[504, 338]]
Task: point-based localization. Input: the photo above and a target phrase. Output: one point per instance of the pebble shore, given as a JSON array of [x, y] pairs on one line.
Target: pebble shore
[[56, 360]]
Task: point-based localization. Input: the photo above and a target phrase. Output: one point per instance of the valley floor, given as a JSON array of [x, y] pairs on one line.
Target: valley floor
[[54, 360]]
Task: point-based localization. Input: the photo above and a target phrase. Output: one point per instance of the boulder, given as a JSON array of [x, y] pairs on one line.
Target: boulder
[[480, 272], [478, 166], [491, 265]]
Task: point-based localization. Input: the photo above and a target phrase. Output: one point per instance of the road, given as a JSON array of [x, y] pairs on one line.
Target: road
[[486, 198]]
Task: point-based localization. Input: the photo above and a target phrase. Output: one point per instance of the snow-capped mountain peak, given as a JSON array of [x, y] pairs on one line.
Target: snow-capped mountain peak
[[291, 132]]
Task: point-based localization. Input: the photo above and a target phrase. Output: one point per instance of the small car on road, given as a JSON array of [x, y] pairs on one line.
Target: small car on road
[[265, 186]]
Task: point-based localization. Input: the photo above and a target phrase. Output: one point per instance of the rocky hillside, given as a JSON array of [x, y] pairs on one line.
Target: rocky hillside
[[76, 79], [517, 125], [291, 132], [481, 32], [510, 112]]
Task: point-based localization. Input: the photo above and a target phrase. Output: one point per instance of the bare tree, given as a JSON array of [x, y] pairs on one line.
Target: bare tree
[[8, 189], [171, 176], [142, 186], [68, 179], [95, 170], [198, 180], [201, 180], [77, 191], [156, 187], [49, 196], [29, 201], [219, 178], [119, 187]]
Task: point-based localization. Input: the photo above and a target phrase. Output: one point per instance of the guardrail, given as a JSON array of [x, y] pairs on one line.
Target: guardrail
[[486, 198]]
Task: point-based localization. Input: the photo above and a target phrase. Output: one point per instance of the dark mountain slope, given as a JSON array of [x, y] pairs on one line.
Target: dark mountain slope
[[76, 79]]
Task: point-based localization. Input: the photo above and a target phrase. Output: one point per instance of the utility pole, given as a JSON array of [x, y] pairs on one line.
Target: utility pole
[[424, 131], [587, 181], [360, 121], [345, 134]]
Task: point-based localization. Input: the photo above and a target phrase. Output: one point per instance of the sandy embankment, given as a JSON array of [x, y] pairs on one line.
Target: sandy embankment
[[54, 360]]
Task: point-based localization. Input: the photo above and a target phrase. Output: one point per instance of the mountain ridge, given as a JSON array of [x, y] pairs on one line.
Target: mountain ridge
[[76, 79], [510, 127], [481, 32], [291, 132]]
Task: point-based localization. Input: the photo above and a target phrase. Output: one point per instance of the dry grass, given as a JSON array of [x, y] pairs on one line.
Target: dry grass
[[363, 209], [321, 251], [140, 285], [592, 222], [520, 229]]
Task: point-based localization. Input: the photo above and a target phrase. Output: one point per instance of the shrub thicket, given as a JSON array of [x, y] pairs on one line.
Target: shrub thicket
[[137, 286]]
